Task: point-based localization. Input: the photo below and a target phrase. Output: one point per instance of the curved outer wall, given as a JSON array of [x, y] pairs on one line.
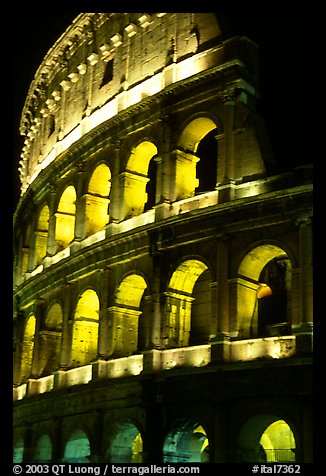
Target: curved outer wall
[[160, 269]]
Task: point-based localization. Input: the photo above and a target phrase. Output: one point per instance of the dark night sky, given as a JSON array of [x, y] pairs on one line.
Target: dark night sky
[[285, 43]]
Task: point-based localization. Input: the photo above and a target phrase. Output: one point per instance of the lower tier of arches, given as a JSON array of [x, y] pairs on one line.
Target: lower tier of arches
[[245, 412]]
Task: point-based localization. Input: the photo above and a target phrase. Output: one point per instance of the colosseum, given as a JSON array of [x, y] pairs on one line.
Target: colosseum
[[162, 271]]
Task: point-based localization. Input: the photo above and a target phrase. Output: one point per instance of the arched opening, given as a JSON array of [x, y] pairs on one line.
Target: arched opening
[[138, 193], [77, 449], [126, 445], [266, 438], [50, 338], [65, 218], [187, 443], [273, 297], [28, 348], [151, 184], [183, 326], [43, 449], [41, 235], [97, 199], [201, 310], [85, 329], [127, 315], [264, 292], [206, 170], [278, 443], [196, 161]]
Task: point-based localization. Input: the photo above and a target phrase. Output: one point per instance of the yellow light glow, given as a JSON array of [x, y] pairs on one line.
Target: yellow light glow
[[186, 275], [65, 217], [278, 442], [85, 329], [194, 132], [28, 348], [131, 290], [137, 449]]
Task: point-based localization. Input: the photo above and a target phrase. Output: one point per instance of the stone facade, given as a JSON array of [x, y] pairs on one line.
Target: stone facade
[[163, 272]]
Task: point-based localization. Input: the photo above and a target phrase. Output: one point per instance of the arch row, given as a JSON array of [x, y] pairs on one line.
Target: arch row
[[263, 437], [99, 192], [111, 325]]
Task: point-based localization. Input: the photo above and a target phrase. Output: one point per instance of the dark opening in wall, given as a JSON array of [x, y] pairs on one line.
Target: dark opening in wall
[[108, 73], [51, 124], [206, 169]]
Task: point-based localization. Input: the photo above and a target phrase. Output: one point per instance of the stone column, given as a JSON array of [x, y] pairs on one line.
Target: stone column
[[38, 312], [103, 337], [116, 195], [52, 244], [80, 219], [223, 285], [227, 188], [306, 275], [220, 344], [65, 357], [304, 328]]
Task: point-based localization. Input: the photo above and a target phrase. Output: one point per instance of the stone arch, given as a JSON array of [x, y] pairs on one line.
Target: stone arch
[[41, 234], [126, 445], [77, 448], [264, 291], [126, 314], [196, 161], [137, 193], [43, 449], [266, 438], [65, 217], [85, 329], [28, 347], [50, 339], [97, 199], [186, 442], [189, 282]]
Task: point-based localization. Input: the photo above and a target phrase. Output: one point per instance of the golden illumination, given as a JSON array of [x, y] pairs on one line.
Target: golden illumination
[[135, 179], [41, 234], [137, 449], [28, 348], [278, 442], [194, 132], [65, 217], [85, 329]]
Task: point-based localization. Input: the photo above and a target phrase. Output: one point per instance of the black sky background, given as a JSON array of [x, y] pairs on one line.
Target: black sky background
[[285, 51]]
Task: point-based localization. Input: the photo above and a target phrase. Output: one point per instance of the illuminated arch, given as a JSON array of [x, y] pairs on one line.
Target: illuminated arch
[[263, 289], [184, 326], [126, 315], [85, 329], [187, 442], [126, 445], [194, 132], [43, 449], [77, 448], [266, 438], [50, 340], [41, 234], [196, 166], [97, 199], [137, 191], [65, 217], [28, 348]]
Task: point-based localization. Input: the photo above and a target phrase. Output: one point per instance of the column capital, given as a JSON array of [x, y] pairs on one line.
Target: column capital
[[304, 220]]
